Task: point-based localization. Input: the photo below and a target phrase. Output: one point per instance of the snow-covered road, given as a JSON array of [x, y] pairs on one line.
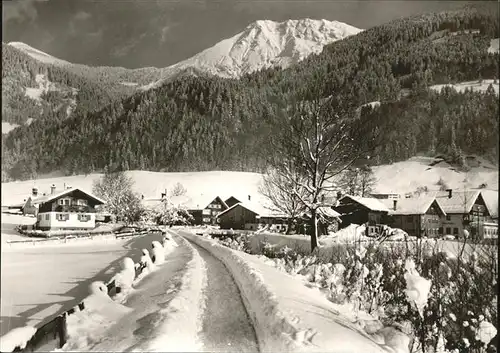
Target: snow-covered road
[[226, 325], [41, 282]]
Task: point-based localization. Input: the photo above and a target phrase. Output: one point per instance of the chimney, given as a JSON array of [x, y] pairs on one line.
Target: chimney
[[66, 187], [52, 189], [163, 195], [249, 198], [142, 197], [450, 193], [394, 204], [339, 195], [34, 192]]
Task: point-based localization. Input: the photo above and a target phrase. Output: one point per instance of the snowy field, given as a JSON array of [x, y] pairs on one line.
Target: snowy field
[[398, 177], [476, 86], [8, 127], [149, 184], [407, 176], [493, 46], [39, 282]]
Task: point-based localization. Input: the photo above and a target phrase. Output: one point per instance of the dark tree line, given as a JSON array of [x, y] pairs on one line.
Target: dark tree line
[[207, 123]]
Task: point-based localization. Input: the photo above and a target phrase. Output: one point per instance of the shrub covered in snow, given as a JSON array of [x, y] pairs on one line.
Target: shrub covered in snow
[[449, 300]]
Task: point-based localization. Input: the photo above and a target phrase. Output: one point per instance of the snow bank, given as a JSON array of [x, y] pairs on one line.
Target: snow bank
[[101, 312], [17, 337], [278, 241], [183, 316], [287, 316]]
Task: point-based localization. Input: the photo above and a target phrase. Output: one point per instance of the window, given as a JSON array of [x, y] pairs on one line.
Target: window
[[47, 216], [206, 220], [455, 231], [84, 217], [206, 211], [81, 202], [448, 230], [61, 201], [66, 201], [448, 217], [62, 216], [440, 231]]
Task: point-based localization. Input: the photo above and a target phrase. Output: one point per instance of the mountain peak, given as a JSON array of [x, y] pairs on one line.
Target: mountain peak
[[264, 44]]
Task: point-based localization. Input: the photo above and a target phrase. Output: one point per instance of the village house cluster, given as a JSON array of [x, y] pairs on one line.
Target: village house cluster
[[435, 214]]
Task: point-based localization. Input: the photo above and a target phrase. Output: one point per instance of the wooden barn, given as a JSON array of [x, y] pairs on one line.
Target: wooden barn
[[361, 210]]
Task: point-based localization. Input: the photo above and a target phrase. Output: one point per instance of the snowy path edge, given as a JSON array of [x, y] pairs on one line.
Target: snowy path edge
[[184, 314], [273, 329]]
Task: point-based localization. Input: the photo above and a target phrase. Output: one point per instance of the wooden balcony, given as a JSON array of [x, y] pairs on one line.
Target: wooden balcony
[[75, 208]]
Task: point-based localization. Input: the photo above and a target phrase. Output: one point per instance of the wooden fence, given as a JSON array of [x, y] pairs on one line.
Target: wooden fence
[[53, 334]]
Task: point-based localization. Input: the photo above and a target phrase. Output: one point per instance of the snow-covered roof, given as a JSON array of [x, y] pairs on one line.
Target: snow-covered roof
[[459, 202], [194, 202], [369, 202], [411, 206], [490, 198], [328, 212], [47, 198], [258, 208]]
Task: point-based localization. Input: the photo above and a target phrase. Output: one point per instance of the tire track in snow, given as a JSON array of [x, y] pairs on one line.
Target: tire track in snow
[[226, 324]]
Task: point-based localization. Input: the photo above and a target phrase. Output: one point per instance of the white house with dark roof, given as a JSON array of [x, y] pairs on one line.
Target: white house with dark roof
[[465, 210], [65, 209]]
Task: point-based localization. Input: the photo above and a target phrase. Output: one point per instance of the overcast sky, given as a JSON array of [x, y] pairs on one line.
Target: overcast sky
[[160, 33]]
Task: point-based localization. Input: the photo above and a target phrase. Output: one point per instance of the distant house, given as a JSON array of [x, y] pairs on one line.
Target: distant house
[[328, 221], [418, 216], [361, 210], [252, 215], [385, 196], [465, 210], [203, 208], [66, 209], [238, 216]]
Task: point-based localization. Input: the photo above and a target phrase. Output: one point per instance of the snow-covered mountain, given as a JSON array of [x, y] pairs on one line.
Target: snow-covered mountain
[[264, 44], [38, 54], [267, 43]]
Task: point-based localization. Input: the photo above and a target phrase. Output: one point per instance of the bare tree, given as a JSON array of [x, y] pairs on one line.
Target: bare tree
[[367, 180], [358, 181], [178, 190], [318, 141], [276, 189]]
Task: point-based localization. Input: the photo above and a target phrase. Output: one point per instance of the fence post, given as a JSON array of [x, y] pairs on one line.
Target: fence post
[[63, 330]]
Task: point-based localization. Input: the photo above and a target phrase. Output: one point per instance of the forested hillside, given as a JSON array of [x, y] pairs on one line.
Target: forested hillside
[[32, 89], [205, 123]]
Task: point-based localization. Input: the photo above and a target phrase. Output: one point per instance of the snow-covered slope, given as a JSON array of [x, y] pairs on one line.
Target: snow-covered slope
[[476, 86], [400, 177], [38, 54], [264, 44]]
